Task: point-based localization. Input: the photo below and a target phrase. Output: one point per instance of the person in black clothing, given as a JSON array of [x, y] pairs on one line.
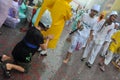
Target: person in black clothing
[[25, 49]]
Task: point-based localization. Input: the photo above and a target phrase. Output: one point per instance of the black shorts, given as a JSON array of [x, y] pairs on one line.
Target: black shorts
[[21, 52]]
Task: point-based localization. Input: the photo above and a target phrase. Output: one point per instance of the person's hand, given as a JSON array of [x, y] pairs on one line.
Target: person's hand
[[50, 37], [90, 39], [79, 26]]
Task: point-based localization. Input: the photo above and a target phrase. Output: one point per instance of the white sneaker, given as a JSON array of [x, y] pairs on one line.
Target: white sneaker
[[43, 52]]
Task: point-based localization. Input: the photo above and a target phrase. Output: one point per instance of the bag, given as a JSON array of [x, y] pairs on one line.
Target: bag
[[78, 46]]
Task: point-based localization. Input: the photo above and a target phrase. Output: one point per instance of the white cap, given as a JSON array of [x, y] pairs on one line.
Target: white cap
[[114, 13], [96, 7], [46, 19]]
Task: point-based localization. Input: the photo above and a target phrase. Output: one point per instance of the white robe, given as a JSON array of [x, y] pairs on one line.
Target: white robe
[[99, 39], [82, 36]]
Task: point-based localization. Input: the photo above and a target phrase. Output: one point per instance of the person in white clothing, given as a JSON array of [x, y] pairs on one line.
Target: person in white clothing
[[108, 40], [103, 28], [82, 33], [89, 44]]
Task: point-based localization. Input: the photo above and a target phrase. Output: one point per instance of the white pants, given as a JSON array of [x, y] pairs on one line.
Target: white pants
[[108, 57], [105, 48], [74, 41], [87, 49], [95, 51]]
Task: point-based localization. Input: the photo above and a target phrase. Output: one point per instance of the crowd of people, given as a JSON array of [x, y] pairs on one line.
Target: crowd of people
[[95, 34], [88, 29]]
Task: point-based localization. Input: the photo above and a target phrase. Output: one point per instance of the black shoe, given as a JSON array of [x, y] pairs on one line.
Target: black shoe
[[5, 71], [43, 54], [88, 64], [83, 59]]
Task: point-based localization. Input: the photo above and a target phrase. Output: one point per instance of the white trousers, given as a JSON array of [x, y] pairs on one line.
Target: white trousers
[[95, 51], [87, 49], [74, 41], [105, 48], [108, 57]]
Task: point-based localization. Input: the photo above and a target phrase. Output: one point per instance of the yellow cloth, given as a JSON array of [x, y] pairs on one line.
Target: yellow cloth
[[60, 12], [113, 46], [47, 4]]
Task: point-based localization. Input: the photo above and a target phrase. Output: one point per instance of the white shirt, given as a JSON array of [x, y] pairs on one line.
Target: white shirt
[[108, 37], [101, 35], [98, 26], [88, 23]]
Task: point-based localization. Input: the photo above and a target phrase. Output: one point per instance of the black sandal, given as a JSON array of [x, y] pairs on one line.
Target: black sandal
[[1, 60], [5, 71]]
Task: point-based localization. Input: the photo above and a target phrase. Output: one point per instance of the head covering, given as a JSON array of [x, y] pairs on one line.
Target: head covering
[[113, 13], [96, 7], [46, 19]]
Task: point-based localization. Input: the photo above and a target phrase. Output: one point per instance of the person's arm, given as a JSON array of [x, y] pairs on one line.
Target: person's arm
[[91, 34], [44, 45]]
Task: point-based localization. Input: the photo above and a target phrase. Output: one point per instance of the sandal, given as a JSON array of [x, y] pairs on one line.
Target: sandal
[[102, 68], [5, 71], [1, 60]]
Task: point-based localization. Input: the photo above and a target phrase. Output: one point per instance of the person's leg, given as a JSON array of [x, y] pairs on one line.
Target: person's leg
[[67, 57], [5, 58], [103, 53], [107, 60], [105, 48], [7, 67], [86, 51], [108, 57], [93, 55], [101, 61], [71, 49], [10, 66]]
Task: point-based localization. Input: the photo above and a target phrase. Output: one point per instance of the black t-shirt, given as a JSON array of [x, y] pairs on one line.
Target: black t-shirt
[[34, 36], [23, 52]]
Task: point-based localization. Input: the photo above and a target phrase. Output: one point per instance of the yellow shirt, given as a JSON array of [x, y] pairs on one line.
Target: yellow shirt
[[114, 46]]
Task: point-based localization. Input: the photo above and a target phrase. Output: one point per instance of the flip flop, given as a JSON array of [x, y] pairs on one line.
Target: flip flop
[[1, 60], [5, 71]]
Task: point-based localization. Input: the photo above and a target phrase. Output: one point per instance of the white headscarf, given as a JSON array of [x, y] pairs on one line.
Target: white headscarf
[[96, 7], [46, 19]]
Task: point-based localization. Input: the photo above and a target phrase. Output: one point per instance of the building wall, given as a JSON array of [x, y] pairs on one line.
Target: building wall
[[116, 6]]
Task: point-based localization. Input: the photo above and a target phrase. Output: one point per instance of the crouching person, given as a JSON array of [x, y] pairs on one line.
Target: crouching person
[[25, 49], [113, 48]]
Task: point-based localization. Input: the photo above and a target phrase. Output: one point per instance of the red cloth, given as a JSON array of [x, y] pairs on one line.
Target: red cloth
[[33, 13]]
